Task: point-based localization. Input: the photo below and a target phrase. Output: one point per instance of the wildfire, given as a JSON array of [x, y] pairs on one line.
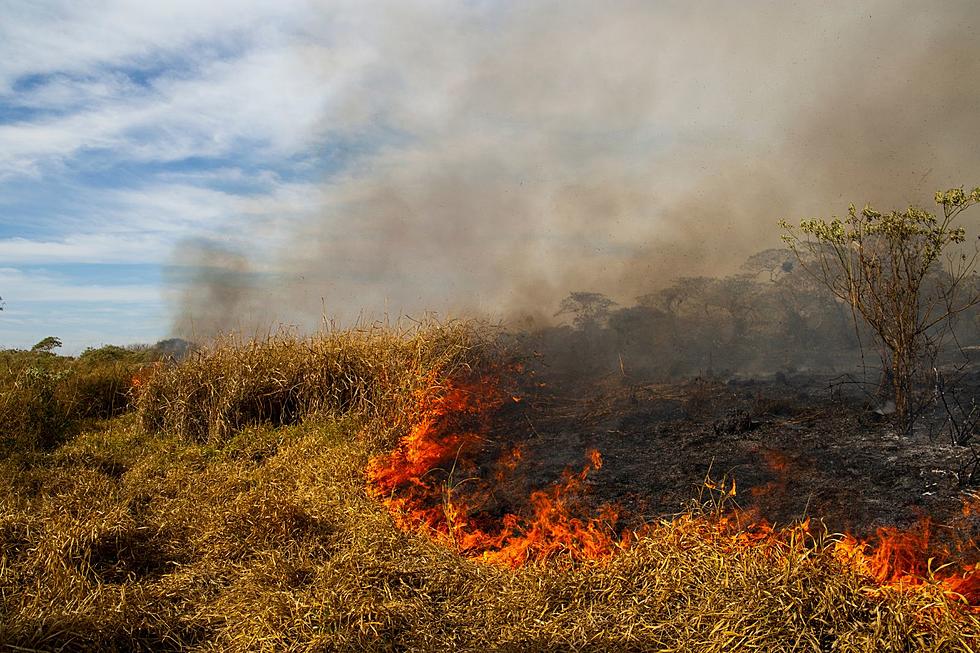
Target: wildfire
[[435, 481], [905, 559], [430, 482], [780, 466], [138, 380]]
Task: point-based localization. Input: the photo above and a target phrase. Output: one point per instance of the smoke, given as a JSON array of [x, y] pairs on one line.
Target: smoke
[[217, 287], [513, 152]]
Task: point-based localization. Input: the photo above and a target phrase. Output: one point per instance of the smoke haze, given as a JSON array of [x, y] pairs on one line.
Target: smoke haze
[[509, 153]]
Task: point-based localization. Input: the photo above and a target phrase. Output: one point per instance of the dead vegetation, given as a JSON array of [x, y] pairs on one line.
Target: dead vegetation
[[218, 519], [372, 373]]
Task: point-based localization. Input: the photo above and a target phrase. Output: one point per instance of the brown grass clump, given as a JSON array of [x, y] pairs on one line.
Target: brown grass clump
[[241, 535], [373, 372]]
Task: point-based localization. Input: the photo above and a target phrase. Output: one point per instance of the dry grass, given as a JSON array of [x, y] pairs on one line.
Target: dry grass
[[373, 373], [242, 536]]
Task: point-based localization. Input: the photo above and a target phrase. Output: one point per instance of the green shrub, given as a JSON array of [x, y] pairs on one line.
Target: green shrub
[[101, 391], [45, 397], [30, 410]]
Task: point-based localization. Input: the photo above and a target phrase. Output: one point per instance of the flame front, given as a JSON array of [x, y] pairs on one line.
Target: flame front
[[431, 482], [905, 559]]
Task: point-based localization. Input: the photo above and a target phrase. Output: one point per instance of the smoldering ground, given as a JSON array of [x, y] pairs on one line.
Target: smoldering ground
[[509, 153]]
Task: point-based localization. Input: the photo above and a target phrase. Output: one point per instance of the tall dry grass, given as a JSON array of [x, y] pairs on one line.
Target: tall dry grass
[[374, 373]]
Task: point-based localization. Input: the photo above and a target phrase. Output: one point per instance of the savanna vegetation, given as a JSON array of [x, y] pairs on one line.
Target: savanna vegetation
[[224, 508], [772, 316], [906, 274], [46, 398], [215, 498], [890, 299]]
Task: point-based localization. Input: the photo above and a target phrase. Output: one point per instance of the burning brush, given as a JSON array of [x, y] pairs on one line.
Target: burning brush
[[432, 482], [439, 481]]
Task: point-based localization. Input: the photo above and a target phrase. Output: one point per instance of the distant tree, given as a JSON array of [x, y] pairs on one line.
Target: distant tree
[[636, 324], [635, 318], [773, 263], [802, 311], [107, 354], [736, 295], [47, 345], [588, 309], [903, 272], [684, 291]]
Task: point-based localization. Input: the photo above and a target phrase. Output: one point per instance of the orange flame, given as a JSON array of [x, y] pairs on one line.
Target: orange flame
[[905, 559], [427, 484], [431, 482], [779, 465], [140, 377]]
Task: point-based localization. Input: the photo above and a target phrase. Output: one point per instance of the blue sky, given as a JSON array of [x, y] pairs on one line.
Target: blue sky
[[127, 127]]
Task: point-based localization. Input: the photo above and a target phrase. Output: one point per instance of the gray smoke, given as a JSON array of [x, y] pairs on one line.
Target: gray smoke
[[532, 149], [218, 290]]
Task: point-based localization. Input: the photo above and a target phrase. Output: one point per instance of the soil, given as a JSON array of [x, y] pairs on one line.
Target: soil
[[796, 447]]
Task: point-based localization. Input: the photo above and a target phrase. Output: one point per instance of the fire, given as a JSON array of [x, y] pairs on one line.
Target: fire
[[905, 559], [431, 482], [406, 479], [779, 465], [139, 379], [971, 504], [552, 528], [434, 481]]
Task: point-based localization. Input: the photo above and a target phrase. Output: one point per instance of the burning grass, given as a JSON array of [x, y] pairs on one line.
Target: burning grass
[[431, 481], [222, 527]]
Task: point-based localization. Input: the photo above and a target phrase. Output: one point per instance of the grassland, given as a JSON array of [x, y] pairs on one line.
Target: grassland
[[229, 512]]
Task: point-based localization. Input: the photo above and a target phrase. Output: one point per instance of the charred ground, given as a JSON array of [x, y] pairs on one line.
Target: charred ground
[[797, 447]]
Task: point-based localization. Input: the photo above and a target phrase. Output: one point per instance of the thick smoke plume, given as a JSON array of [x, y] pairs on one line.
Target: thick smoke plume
[[514, 152]]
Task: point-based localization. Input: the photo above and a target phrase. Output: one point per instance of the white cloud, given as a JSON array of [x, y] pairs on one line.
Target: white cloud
[[77, 36], [30, 287], [265, 105], [145, 224], [495, 140], [112, 82], [94, 248], [234, 79]]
